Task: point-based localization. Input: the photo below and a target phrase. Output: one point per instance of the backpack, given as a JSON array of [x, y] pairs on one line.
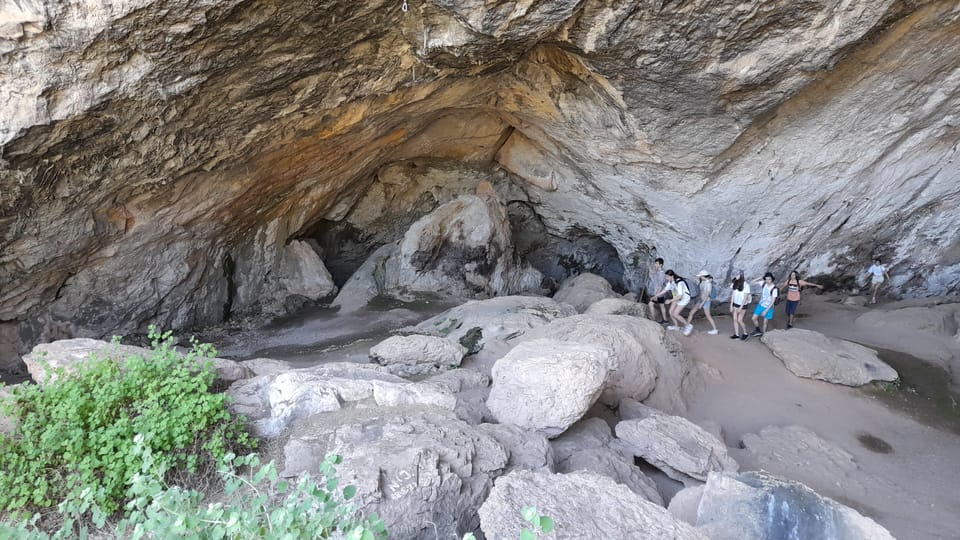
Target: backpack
[[776, 301], [714, 290], [694, 289]]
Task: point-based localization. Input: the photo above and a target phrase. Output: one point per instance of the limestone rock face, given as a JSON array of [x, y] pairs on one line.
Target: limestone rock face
[[760, 505], [158, 157], [582, 505], [618, 306], [414, 355], [419, 468], [811, 354], [547, 385]]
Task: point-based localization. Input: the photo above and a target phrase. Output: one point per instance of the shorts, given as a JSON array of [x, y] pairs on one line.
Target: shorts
[[658, 300], [792, 306], [874, 280], [708, 303], [737, 306], [683, 301], [759, 312]]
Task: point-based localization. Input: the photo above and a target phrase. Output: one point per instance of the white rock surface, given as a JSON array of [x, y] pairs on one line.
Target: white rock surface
[[676, 446], [376, 276], [685, 503], [811, 354], [528, 450], [273, 403], [582, 505], [760, 505], [417, 354], [618, 306], [547, 385]]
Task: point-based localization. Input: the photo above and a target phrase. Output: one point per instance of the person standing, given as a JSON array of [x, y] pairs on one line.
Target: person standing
[[739, 300], [877, 273], [681, 297], [704, 302], [768, 297], [657, 288], [793, 286]]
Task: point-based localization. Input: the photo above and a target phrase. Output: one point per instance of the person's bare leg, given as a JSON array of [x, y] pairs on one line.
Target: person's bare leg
[[706, 313]]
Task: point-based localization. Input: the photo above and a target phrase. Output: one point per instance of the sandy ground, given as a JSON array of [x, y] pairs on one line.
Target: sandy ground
[[912, 490]]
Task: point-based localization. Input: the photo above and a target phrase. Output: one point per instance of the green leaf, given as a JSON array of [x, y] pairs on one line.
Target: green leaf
[[349, 492], [527, 534], [529, 514], [546, 524]]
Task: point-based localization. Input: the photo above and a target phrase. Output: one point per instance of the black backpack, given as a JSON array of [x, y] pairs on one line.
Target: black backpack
[[776, 300]]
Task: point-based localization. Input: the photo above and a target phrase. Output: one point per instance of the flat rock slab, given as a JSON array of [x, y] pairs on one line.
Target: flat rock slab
[[70, 353], [547, 385], [675, 445], [815, 356], [503, 317], [417, 354], [757, 506], [582, 505]]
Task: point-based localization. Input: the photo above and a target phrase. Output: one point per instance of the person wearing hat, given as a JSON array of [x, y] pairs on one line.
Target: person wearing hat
[[704, 301], [768, 297]]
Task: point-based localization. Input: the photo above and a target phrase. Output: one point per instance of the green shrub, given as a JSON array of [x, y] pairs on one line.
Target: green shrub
[[75, 435]]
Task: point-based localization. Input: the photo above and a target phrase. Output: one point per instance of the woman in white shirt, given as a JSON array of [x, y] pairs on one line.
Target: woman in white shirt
[[681, 297], [739, 300], [877, 273]]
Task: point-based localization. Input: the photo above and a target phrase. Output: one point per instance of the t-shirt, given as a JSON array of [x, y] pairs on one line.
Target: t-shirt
[[683, 292], [658, 279], [705, 287], [767, 296], [741, 297], [877, 271]]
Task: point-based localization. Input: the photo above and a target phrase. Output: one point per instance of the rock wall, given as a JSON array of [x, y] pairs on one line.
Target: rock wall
[[157, 156]]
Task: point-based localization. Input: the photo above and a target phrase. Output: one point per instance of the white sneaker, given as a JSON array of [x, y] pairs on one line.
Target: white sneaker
[[687, 329], [672, 327], [713, 332]]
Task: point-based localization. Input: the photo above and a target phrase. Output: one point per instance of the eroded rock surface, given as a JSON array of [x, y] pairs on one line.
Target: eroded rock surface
[[582, 505], [583, 290], [815, 356], [417, 354]]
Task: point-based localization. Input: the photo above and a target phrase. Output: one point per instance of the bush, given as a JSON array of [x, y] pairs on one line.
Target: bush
[[75, 435]]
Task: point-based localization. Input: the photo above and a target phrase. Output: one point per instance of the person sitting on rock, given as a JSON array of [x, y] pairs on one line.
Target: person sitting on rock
[[657, 288], [877, 273], [793, 286], [768, 297], [705, 300], [739, 300], [681, 297]]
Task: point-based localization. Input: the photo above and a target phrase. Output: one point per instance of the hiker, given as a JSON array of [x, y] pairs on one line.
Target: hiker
[[707, 294], [793, 286], [681, 297], [768, 297], [657, 288], [877, 273], [739, 300]]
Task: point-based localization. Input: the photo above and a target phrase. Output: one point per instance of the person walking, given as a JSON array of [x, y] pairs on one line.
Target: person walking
[[657, 288], [681, 297], [739, 300], [877, 273], [793, 286], [707, 294], [768, 297]]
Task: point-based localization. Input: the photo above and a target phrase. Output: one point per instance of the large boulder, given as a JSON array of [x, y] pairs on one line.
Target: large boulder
[[759, 505], [417, 354], [547, 385], [300, 274], [675, 445], [273, 402], [419, 468], [464, 249], [583, 290], [646, 363], [582, 505], [69, 354], [815, 356], [503, 317], [589, 446]]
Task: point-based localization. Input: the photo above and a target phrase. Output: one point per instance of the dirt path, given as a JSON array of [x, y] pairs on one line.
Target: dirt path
[[911, 489]]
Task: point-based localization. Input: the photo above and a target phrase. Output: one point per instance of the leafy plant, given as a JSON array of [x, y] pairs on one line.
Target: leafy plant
[[541, 524], [74, 436]]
